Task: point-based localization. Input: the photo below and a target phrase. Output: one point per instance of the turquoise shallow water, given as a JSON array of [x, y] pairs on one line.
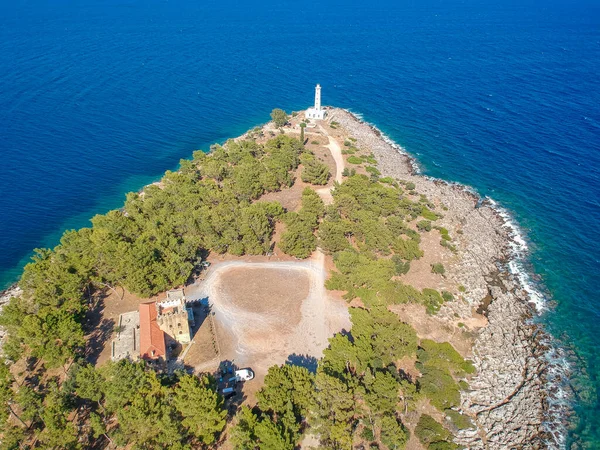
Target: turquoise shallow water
[[99, 98]]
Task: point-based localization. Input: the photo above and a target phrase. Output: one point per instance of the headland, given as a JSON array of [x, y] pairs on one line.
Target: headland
[[271, 309]]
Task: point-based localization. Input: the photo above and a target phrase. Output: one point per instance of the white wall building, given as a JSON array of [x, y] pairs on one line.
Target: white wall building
[[316, 112]]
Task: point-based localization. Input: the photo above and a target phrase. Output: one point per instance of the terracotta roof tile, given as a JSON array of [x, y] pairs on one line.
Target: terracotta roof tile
[[152, 338]]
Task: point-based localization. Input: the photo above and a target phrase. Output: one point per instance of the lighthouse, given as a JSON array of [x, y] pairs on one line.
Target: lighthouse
[[316, 112]]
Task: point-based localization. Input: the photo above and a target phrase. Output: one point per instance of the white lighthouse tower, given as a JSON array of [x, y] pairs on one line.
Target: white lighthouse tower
[[316, 112]]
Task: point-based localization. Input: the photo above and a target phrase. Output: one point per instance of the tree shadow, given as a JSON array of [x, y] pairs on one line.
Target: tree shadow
[[308, 362], [99, 330]]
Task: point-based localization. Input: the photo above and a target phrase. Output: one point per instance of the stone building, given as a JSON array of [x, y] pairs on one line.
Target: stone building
[[174, 317], [163, 324]]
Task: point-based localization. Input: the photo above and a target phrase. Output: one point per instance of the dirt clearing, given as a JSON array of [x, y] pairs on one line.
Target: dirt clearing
[[269, 313]]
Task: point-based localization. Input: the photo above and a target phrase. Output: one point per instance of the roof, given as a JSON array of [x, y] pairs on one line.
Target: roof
[[152, 338], [176, 294]]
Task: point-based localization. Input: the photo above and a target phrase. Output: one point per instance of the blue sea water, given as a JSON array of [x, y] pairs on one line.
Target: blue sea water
[[98, 98]]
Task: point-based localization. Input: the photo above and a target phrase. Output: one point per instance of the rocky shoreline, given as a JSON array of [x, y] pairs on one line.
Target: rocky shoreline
[[507, 399]]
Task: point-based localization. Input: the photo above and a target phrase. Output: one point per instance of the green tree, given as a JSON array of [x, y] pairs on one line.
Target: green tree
[[433, 435], [285, 384], [58, 432], [279, 117], [201, 407], [243, 435], [393, 434], [150, 420], [334, 412], [314, 172]]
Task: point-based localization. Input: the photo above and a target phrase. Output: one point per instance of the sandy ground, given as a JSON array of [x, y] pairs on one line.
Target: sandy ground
[[266, 313]]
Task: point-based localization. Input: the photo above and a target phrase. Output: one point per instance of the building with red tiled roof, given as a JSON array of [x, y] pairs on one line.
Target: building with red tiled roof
[[152, 338]]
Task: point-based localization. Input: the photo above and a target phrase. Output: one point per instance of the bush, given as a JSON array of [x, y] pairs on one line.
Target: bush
[[355, 160], [424, 225], [402, 267], [461, 288], [314, 142], [444, 232], [428, 214], [438, 268], [432, 300], [410, 186], [447, 296], [428, 430], [407, 249], [460, 421], [372, 170]]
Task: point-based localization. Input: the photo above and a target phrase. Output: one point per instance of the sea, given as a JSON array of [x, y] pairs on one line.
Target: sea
[[98, 98]]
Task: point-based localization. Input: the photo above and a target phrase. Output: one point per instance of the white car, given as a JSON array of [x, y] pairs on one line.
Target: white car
[[244, 374]]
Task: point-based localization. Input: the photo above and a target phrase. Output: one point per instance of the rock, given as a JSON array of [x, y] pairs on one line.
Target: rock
[[507, 397]]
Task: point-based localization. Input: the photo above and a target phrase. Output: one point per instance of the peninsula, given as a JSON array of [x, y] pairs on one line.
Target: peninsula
[[336, 299]]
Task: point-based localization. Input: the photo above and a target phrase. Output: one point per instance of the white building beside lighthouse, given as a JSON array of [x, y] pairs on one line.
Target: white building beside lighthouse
[[316, 112]]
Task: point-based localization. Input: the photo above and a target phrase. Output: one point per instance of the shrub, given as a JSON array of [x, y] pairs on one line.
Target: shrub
[[347, 143], [438, 268], [410, 186], [428, 214], [424, 225], [461, 288], [402, 267], [372, 170], [447, 296], [460, 421], [439, 386], [432, 300], [444, 232], [314, 142], [407, 249], [448, 245], [428, 430], [355, 160]]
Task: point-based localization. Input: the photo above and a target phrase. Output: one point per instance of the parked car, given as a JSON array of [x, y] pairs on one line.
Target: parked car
[[244, 374]]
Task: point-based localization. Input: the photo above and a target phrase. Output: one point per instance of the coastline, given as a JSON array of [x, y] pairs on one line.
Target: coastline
[[509, 398], [514, 399]]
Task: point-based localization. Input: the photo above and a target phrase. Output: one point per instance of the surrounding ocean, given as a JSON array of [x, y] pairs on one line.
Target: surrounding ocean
[[98, 98]]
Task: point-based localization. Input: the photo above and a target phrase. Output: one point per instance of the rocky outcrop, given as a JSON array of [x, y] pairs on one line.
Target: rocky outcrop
[[5, 296], [507, 396]]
